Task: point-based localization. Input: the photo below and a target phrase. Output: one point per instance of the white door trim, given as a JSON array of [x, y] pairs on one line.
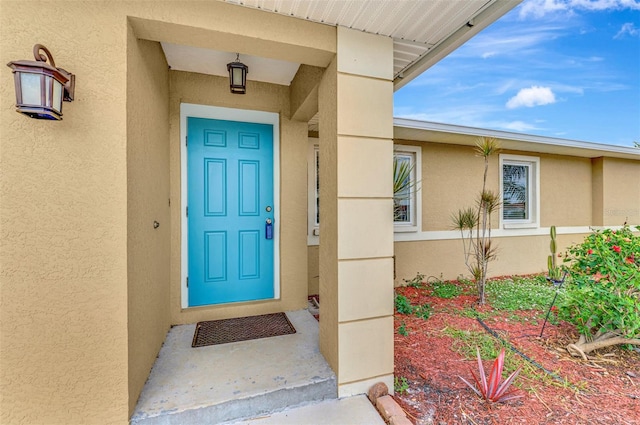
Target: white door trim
[[230, 114]]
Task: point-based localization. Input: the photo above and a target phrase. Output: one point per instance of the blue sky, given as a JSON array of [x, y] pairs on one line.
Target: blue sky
[[559, 68]]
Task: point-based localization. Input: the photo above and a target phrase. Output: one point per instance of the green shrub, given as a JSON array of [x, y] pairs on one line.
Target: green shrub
[[446, 290], [422, 311], [403, 305], [603, 289]]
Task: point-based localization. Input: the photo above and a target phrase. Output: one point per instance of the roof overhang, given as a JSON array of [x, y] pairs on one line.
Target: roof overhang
[[423, 31], [424, 131]]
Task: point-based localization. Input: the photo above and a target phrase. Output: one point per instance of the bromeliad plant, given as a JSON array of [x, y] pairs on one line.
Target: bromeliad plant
[[603, 290], [493, 389]]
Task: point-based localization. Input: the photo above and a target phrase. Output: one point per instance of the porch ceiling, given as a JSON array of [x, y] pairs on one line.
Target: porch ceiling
[[423, 32]]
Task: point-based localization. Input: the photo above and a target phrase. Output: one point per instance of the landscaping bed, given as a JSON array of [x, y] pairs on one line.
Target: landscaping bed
[[436, 340]]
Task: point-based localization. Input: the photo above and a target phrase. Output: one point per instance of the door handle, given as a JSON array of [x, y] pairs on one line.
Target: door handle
[[268, 229]]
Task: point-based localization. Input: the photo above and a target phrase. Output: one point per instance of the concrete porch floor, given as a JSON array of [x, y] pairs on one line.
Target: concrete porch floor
[[248, 379]]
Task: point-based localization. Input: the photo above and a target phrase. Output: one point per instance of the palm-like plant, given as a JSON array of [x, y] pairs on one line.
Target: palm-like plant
[[478, 250]]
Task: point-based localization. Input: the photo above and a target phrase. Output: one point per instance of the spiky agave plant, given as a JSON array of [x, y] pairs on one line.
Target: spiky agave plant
[[493, 389]]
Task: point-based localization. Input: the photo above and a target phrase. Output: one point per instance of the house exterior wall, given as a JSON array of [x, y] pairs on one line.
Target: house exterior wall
[[575, 193], [566, 195], [313, 269], [63, 214], [444, 258], [566, 191], [620, 192], [210, 90], [85, 297], [597, 177], [148, 248]]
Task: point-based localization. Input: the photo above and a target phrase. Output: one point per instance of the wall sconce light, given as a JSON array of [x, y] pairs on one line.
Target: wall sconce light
[[238, 76], [40, 86]]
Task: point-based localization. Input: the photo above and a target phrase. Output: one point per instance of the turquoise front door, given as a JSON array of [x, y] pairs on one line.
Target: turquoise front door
[[230, 211]]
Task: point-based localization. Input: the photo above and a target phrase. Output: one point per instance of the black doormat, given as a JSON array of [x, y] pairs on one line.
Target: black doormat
[[215, 332]]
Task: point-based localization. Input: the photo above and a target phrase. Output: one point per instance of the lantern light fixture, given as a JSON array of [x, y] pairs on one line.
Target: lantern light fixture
[[40, 86], [237, 76]]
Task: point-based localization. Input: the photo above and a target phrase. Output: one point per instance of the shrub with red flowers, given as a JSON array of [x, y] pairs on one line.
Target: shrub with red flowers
[[603, 290]]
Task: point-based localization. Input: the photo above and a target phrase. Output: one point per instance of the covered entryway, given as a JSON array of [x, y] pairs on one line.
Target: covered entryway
[[114, 181]]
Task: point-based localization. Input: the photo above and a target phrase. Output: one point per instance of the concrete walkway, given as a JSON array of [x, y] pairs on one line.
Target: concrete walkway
[[356, 410]]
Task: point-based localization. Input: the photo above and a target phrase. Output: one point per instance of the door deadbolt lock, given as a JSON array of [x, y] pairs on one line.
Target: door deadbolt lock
[[268, 209]]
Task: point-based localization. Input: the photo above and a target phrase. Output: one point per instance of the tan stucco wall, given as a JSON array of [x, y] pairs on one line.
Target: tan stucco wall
[[444, 258], [313, 270], [565, 191], [597, 191], [620, 192], [147, 201], [328, 252], [569, 187], [209, 90], [77, 212], [564, 181], [63, 215], [448, 167]]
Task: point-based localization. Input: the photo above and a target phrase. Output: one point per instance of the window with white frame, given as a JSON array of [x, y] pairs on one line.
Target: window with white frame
[[520, 188], [407, 203]]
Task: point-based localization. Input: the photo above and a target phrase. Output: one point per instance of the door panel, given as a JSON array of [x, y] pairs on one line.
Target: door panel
[[230, 186]]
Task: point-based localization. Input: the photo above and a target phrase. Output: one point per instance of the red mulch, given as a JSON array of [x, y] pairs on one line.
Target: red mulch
[[609, 384]]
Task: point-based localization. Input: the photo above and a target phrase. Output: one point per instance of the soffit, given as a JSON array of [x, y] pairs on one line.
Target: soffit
[[214, 62], [416, 26], [423, 32]]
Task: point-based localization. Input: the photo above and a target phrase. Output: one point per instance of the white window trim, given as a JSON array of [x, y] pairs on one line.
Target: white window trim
[[416, 196], [533, 222], [313, 229]]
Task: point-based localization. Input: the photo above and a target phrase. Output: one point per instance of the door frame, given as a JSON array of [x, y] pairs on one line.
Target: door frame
[[229, 114]]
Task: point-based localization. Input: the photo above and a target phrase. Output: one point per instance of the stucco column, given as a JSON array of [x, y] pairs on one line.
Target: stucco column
[[356, 212]]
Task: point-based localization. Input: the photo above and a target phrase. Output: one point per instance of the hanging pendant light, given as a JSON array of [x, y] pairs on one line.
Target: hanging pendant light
[[237, 76]]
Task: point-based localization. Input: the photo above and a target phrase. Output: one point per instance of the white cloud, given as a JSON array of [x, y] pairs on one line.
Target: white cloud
[[532, 96], [628, 28], [540, 8]]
